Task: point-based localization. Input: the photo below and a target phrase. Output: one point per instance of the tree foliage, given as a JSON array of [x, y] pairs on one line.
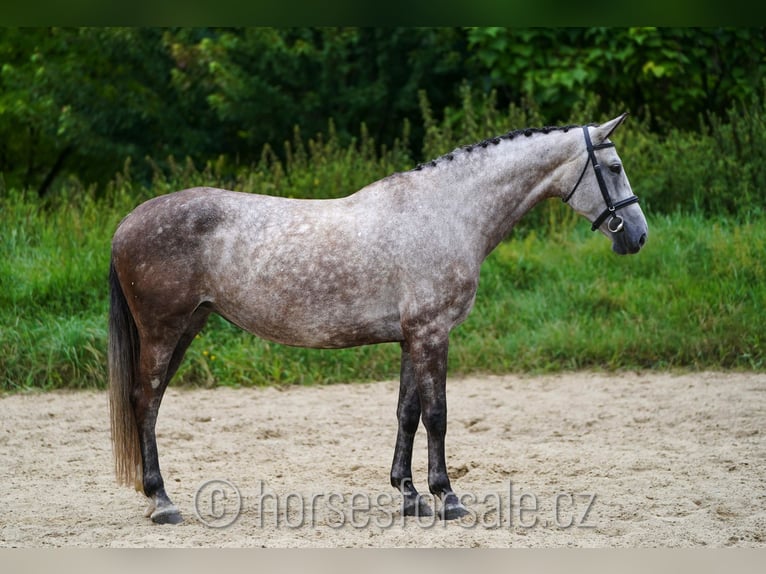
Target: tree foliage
[[675, 74], [83, 99], [256, 84], [80, 101]]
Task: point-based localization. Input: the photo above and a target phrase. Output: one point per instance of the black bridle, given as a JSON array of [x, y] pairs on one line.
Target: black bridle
[[616, 222]]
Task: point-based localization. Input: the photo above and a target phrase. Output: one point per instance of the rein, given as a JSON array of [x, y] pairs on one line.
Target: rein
[[615, 223]]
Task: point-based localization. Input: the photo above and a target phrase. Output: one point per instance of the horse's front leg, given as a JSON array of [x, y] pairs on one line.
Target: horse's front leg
[[428, 354], [408, 416]]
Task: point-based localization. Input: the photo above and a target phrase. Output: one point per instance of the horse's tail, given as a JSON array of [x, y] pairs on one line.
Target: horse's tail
[[123, 367]]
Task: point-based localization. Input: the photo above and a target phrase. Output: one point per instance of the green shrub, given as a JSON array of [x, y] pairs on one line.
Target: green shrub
[[551, 297], [693, 298], [718, 170]]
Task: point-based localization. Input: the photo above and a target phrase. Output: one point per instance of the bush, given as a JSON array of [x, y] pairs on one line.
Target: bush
[[552, 297], [719, 170]]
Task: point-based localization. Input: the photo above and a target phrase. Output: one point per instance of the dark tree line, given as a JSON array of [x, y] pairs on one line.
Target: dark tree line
[[79, 101]]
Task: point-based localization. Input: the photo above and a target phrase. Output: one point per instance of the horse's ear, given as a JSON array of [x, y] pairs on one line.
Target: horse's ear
[[604, 130]]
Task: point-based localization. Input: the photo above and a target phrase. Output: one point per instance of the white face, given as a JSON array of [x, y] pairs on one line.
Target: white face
[[631, 235]]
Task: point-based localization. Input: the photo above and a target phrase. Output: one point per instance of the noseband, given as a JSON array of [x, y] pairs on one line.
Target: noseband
[[615, 222]]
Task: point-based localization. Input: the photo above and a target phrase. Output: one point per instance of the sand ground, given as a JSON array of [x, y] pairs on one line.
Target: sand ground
[[582, 459]]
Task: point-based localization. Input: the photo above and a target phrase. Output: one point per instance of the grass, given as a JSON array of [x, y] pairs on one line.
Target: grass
[[552, 297], [694, 298]]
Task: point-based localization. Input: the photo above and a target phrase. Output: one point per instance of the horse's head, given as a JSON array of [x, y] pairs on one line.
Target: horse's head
[[603, 191]]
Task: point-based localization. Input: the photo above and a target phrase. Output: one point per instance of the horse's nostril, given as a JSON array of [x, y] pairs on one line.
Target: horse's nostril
[[642, 240]]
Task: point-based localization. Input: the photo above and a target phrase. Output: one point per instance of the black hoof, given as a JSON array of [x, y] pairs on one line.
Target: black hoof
[[167, 516], [416, 506], [452, 509]]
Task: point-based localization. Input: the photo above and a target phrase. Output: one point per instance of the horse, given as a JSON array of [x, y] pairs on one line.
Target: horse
[[395, 262]]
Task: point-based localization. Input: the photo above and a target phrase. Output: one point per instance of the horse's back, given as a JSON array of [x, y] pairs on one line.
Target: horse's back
[[294, 271], [316, 273]]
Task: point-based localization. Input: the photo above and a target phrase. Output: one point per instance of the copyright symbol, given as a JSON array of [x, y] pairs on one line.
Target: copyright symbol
[[217, 503]]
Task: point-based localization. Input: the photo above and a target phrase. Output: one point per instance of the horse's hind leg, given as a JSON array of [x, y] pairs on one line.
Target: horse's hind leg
[[408, 416], [160, 359], [198, 320], [152, 382]]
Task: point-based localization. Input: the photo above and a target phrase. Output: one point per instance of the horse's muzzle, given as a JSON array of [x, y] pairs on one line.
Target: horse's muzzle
[[625, 244]]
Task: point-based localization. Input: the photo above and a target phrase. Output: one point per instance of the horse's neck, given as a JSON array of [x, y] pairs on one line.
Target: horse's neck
[[494, 187]]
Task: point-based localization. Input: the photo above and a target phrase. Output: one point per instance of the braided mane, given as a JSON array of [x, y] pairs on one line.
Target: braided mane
[[526, 132]]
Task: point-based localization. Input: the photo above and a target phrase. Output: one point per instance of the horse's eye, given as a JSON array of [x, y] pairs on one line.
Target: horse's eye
[[615, 168]]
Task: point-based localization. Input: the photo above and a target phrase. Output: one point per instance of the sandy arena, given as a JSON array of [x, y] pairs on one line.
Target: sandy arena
[[586, 460]]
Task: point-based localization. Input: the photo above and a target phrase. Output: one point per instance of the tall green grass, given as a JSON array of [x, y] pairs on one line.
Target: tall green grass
[[551, 297], [693, 298]]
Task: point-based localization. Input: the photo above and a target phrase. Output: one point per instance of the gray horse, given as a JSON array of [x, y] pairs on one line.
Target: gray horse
[[397, 261]]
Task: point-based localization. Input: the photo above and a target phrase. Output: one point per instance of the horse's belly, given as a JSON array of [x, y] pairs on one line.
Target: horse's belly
[[324, 325]]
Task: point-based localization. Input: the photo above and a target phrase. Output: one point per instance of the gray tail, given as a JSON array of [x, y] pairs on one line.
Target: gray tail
[[123, 357]]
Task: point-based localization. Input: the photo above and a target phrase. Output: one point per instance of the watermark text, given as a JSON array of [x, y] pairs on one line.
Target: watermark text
[[219, 503]]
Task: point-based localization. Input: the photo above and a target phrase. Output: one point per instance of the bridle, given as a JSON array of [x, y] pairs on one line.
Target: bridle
[[615, 224]]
